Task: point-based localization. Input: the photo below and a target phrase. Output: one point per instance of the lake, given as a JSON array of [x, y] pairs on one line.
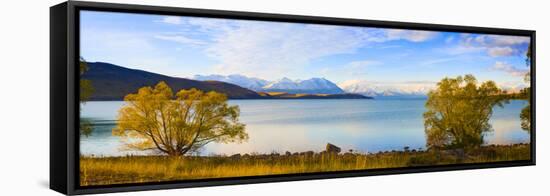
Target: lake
[[302, 125]]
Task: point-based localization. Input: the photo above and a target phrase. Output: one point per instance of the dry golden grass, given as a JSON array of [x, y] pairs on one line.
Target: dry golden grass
[[136, 169]]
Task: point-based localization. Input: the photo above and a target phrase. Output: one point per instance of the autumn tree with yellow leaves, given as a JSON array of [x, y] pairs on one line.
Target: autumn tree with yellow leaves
[[155, 118], [458, 112]]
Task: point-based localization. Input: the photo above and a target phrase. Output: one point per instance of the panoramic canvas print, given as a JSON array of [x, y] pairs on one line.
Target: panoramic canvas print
[[176, 98]]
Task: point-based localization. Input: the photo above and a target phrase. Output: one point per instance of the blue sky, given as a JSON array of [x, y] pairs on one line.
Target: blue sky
[[186, 46]]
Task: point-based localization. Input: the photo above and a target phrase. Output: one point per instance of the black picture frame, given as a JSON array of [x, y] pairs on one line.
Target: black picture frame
[[64, 95]]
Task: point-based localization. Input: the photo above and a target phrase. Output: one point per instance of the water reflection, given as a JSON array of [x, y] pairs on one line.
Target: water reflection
[[301, 125], [507, 126]]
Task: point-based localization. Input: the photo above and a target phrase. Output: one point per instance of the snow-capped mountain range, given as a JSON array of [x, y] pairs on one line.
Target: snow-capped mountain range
[[414, 88], [251, 83], [324, 86], [370, 88], [310, 86]]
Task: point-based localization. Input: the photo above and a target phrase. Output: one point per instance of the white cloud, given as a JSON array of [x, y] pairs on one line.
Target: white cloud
[[500, 51], [351, 69], [384, 35], [265, 50], [501, 40], [363, 64], [209, 25], [171, 20], [463, 49], [180, 39], [494, 45], [410, 35], [505, 67]]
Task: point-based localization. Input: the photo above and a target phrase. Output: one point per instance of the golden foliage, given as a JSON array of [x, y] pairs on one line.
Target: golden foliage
[[152, 119], [458, 112], [86, 88]]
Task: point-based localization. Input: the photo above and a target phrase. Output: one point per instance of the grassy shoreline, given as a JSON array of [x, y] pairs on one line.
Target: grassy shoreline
[[137, 169]]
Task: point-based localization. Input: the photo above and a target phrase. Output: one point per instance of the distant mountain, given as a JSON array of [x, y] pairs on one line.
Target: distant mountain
[[251, 83], [278, 95], [311, 86], [406, 89], [112, 82], [370, 88], [512, 87]]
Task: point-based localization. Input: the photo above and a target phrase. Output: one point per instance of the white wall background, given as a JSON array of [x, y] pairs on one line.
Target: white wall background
[[24, 99]]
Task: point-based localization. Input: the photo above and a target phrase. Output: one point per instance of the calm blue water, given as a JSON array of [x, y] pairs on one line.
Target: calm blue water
[[302, 125]]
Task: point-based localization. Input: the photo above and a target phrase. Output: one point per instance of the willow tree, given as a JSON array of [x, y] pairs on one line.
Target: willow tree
[[155, 118], [458, 112]]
